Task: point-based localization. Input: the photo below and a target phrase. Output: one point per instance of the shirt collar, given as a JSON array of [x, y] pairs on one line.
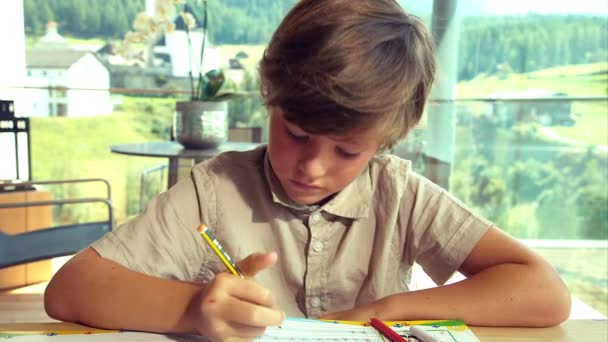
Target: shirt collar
[[352, 202]]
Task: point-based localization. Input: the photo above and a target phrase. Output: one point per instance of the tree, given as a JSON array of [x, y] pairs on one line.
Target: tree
[[46, 15], [92, 19], [31, 18], [530, 43]]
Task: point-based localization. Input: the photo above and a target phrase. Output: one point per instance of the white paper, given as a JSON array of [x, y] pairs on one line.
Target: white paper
[[292, 329]]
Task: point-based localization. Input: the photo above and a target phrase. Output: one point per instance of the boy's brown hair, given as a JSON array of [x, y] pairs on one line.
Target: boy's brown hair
[[344, 67]]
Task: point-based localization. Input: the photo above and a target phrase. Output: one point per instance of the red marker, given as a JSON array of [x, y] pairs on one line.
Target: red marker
[[386, 330]]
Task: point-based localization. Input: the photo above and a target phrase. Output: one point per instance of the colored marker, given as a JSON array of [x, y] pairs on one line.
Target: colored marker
[[386, 331]]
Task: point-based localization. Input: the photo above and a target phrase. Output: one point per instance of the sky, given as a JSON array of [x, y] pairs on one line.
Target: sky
[[516, 7], [598, 7]]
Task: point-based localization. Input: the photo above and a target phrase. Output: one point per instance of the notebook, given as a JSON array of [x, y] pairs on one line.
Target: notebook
[[292, 329], [300, 329]]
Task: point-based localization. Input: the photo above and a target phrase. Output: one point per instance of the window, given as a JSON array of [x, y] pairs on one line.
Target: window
[[529, 128]]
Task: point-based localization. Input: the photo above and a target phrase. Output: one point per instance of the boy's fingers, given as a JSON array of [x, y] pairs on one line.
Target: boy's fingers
[[254, 263], [249, 314], [248, 290]]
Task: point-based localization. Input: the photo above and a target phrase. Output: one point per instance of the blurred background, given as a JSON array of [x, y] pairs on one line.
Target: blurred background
[[517, 126]]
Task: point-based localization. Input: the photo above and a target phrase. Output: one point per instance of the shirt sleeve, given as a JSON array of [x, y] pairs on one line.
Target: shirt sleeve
[[442, 230], [162, 241]]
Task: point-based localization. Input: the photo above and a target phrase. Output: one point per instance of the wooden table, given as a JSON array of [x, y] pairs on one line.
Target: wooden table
[[25, 312], [573, 330]]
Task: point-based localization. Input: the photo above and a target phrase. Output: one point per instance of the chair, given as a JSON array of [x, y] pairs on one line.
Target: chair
[[53, 241]]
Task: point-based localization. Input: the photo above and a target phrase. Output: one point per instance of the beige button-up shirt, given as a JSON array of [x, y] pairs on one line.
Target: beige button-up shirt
[[356, 248]]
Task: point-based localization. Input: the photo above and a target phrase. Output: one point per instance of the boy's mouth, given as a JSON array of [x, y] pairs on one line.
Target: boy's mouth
[[305, 186]]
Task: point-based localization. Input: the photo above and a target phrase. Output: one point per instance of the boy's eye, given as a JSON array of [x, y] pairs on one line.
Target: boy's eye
[[295, 137], [345, 154]]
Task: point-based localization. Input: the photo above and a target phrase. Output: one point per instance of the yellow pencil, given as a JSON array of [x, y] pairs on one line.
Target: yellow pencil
[[217, 248]]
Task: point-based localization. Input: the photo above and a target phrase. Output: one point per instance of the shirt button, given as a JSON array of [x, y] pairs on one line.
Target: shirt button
[[315, 302], [317, 246]]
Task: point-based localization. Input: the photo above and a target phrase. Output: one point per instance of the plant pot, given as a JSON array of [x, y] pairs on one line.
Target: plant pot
[[200, 124]]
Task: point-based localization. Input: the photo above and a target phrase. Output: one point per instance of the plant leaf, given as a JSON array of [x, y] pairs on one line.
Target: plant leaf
[[201, 91], [215, 79]]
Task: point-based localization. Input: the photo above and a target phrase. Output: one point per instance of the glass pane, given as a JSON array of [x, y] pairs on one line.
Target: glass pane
[[530, 149], [530, 124]]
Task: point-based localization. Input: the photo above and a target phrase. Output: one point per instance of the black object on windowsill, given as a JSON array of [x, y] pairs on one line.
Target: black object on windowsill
[[15, 185], [19, 128]]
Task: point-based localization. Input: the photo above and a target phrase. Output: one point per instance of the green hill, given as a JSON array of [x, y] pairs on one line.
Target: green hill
[[523, 43], [583, 80], [64, 148]]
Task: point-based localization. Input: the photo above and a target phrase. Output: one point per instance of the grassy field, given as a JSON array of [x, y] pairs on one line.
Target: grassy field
[[574, 80], [97, 43], [65, 148], [254, 53], [587, 80], [93, 44], [591, 124]]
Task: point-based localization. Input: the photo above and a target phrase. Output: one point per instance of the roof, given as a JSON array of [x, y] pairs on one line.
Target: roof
[[52, 38], [235, 64], [52, 58]]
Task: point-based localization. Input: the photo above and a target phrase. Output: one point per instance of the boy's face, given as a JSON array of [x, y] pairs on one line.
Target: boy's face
[[312, 167]]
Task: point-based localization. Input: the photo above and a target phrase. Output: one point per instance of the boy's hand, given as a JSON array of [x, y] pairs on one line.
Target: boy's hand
[[256, 262], [231, 308]]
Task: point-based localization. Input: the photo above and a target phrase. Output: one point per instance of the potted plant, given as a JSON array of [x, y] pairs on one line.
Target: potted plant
[[201, 121]]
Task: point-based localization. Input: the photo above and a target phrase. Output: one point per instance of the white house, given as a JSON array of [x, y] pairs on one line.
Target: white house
[[182, 58], [75, 82]]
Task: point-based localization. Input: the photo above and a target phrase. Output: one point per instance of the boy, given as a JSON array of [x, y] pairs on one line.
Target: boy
[[340, 224]]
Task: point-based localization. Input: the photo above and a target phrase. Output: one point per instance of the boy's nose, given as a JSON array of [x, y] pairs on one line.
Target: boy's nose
[[312, 166]]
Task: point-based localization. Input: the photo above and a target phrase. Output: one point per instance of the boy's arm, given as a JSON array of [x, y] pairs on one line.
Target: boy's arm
[[507, 285], [98, 292], [101, 293]]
